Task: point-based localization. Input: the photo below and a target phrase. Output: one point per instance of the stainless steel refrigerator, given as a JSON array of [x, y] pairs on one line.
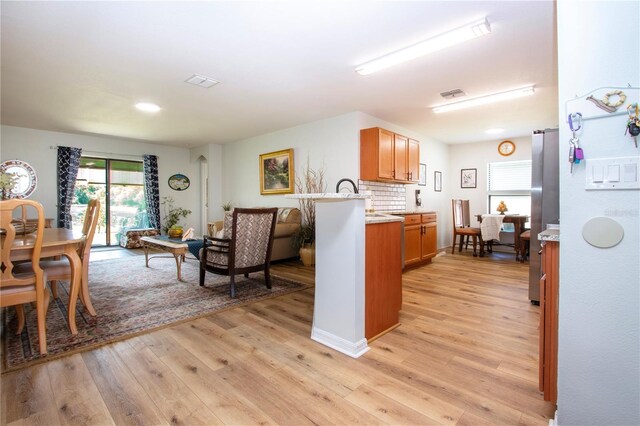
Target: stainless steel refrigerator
[[545, 198]]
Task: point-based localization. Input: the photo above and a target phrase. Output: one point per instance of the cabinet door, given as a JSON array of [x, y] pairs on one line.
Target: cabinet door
[[429, 240], [412, 244], [400, 158], [385, 154], [413, 160]]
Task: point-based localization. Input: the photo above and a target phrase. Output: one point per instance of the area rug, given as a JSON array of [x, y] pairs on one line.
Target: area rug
[[130, 299]]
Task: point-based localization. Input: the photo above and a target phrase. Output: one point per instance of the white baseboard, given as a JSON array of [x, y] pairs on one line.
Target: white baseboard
[[554, 420], [353, 349]]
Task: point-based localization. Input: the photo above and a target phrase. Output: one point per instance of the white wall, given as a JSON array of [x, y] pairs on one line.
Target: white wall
[[33, 146], [599, 341], [334, 143]]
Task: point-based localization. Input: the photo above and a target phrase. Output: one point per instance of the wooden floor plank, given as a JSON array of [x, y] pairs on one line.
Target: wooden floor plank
[[464, 354]]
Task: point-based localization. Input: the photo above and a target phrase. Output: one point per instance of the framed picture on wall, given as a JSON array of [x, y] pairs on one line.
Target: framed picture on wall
[[423, 175], [468, 178], [276, 172], [437, 181]]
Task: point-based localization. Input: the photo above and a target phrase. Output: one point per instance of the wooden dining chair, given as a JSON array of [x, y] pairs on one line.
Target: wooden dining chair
[[61, 269], [462, 227], [26, 286]]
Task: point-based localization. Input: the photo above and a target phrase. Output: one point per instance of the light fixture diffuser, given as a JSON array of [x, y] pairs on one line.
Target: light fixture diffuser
[[494, 131], [147, 107], [483, 100], [433, 44]]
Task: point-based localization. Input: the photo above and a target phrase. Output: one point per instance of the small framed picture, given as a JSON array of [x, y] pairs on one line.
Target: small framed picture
[[437, 181], [468, 178], [423, 175], [179, 182]]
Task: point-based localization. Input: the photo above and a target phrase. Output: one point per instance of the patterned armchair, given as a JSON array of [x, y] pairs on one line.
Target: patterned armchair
[[245, 246]]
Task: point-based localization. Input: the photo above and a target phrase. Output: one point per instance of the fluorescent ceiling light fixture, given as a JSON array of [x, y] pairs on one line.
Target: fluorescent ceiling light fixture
[[483, 100], [494, 131], [433, 44], [147, 107]]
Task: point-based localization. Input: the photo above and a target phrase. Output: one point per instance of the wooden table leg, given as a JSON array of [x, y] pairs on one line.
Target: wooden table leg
[[178, 258]]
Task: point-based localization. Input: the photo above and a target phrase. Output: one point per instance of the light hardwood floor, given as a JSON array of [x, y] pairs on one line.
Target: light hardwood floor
[[465, 354]]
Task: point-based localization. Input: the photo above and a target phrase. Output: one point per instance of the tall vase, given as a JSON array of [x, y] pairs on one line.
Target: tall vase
[[308, 254]]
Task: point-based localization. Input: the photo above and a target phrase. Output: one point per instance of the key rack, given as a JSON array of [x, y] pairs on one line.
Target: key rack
[[591, 112]]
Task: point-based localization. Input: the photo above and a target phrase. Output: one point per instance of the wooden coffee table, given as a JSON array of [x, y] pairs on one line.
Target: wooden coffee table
[[177, 249]]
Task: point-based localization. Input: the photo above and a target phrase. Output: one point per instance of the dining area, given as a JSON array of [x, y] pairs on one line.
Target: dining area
[[35, 257], [489, 228]]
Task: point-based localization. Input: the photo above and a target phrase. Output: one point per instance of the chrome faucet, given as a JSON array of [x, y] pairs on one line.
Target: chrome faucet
[[355, 188]]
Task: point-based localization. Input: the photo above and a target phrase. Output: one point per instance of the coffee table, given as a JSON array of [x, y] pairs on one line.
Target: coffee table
[[175, 246]]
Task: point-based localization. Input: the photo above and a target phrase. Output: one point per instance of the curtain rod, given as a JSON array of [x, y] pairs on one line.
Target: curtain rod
[[89, 152]]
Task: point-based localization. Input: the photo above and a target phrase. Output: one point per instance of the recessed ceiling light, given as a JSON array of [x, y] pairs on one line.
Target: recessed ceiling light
[[147, 107], [441, 41], [483, 100], [494, 131]]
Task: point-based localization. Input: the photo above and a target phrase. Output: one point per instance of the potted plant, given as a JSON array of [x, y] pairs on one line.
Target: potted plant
[[8, 181], [309, 182], [227, 206], [171, 217]]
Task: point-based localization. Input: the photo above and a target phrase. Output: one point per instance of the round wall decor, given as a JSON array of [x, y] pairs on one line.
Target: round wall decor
[[506, 148], [179, 182], [26, 178]]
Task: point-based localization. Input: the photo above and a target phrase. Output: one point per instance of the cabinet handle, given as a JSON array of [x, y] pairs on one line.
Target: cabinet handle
[[410, 175]]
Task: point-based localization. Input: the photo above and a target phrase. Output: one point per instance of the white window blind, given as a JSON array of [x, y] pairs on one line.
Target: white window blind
[[510, 176]]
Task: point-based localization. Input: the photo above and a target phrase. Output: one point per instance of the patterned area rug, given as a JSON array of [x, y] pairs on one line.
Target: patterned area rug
[[130, 299]]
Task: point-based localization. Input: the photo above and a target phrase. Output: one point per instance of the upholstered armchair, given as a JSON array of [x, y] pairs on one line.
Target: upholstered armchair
[[245, 246]]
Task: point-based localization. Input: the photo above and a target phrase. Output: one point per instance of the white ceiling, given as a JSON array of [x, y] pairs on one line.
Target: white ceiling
[[81, 66]]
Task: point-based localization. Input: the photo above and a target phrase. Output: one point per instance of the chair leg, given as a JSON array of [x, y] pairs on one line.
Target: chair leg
[[202, 272], [232, 286], [54, 288], [461, 243], [453, 246], [267, 277], [475, 242], [246, 275], [20, 315], [42, 331]]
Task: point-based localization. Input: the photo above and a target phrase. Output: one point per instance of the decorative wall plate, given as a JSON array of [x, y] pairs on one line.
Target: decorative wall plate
[[179, 182], [506, 148], [27, 179]]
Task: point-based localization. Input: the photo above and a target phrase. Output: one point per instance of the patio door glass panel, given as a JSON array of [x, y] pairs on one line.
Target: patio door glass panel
[[119, 185]]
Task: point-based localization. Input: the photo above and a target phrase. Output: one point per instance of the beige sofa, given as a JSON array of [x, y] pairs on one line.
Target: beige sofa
[[288, 223]]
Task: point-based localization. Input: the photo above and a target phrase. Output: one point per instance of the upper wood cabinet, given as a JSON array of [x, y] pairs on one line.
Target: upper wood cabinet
[[387, 156]]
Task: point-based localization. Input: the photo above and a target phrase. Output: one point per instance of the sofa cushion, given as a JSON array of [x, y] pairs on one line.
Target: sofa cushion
[[289, 215]]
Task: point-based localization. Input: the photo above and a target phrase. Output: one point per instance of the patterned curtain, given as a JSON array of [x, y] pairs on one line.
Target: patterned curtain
[[68, 164], [151, 189]]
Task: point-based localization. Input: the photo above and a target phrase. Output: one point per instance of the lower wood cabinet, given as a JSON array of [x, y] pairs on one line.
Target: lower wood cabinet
[[549, 286], [383, 277], [420, 238]]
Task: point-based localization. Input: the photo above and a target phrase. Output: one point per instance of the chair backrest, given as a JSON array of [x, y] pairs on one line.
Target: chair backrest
[[91, 217], [461, 215], [252, 236], [7, 217]]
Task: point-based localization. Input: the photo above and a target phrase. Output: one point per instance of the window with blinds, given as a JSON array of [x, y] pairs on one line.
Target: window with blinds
[[510, 182], [510, 176]]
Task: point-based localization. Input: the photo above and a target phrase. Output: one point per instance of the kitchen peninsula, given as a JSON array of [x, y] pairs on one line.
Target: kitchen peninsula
[[358, 272]]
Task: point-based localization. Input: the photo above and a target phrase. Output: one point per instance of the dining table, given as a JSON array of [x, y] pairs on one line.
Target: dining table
[[518, 221], [58, 242]]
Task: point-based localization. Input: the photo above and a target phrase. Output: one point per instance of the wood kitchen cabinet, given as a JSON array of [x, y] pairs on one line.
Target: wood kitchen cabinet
[[383, 277], [387, 156], [548, 367], [420, 238]]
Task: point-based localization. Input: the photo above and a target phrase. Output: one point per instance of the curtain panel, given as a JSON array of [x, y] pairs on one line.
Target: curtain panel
[[68, 165], [151, 189]]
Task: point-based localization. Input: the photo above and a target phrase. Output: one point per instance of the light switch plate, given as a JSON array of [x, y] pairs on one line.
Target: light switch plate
[[613, 173]]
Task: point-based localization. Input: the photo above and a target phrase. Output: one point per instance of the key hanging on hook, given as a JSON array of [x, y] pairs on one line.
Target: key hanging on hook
[[633, 125], [576, 154]]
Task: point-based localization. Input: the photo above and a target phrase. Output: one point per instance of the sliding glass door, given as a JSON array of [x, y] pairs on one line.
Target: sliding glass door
[[119, 185]]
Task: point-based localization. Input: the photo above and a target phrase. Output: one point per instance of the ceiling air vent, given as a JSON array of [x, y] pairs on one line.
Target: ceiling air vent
[[455, 93], [201, 81]]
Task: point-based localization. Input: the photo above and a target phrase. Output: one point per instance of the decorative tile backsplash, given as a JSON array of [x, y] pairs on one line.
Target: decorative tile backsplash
[[386, 197]]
